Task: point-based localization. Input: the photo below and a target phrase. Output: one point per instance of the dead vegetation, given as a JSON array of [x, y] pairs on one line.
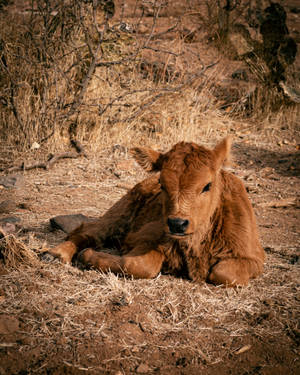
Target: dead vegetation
[[61, 319], [80, 74], [89, 77], [66, 77], [61, 309], [15, 253]]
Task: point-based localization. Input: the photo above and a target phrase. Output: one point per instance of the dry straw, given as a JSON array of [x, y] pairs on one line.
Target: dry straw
[[16, 254]]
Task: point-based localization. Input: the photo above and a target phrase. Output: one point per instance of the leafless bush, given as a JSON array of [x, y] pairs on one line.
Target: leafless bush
[[57, 47], [67, 70]]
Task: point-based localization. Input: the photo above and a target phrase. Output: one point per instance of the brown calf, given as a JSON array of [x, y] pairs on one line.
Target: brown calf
[[190, 219]]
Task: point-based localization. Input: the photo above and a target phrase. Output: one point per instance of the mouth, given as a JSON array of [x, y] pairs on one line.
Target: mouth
[[179, 235]]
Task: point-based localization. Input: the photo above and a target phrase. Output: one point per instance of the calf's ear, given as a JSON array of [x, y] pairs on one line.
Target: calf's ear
[[148, 159], [222, 152]]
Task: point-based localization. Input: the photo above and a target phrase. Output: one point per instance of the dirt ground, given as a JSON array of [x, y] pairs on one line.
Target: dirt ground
[[60, 319]]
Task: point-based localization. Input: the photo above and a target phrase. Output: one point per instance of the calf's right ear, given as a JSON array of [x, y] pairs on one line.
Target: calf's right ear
[[148, 159], [222, 152]]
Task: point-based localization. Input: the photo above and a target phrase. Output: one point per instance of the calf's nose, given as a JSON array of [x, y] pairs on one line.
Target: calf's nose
[[177, 225]]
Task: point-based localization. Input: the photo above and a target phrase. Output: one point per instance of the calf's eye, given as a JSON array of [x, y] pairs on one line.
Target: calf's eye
[[206, 187]]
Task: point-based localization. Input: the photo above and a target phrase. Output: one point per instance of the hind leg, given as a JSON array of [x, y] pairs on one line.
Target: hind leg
[[139, 264], [113, 224], [234, 271]]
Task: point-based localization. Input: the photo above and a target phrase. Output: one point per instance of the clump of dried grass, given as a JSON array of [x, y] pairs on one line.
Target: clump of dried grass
[[15, 253]]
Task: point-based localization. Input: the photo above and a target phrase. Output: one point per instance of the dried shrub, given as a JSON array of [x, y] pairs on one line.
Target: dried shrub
[[81, 74]]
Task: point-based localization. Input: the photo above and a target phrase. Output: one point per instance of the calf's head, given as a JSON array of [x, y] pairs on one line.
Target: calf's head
[[190, 183]]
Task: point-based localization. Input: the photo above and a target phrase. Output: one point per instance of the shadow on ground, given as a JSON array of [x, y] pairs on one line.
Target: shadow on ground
[[284, 163]]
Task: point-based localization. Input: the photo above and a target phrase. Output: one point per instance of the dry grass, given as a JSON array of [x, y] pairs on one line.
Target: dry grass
[[59, 305], [15, 253], [55, 95], [68, 316], [93, 322]]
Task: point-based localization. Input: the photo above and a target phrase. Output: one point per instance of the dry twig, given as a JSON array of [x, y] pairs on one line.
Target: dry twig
[[52, 159]]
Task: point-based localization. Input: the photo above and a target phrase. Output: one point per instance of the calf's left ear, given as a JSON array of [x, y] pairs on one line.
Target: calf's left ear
[[147, 158], [222, 152]]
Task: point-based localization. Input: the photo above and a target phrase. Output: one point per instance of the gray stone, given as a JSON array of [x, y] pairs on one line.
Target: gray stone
[[10, 219], [11, 181], [8, 225], [68, 223]]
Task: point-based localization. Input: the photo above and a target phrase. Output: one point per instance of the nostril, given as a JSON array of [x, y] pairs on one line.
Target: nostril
[[177, 225], [185, 224]]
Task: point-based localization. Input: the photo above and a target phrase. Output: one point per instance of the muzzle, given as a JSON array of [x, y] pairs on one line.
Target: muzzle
[[177, 226]]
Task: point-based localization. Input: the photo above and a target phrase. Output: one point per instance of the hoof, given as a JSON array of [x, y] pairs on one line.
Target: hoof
[[84, 257], [48, 257]]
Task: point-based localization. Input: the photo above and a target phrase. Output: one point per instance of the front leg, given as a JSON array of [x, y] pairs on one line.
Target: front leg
[[138, 264], [235, 271], [64, 251]]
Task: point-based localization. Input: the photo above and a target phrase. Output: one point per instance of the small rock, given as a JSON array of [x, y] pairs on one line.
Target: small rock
[[243, 349], [10, 219], [148, 9], [143, 29], [250, 177], [264, 172], [8, 225], [35, 146], [142, 368], [119, 148], [11, 181], [281, 161], [135, 349], [7, 206], [8, 228], [68, 223], [25, 206], [241, 45]]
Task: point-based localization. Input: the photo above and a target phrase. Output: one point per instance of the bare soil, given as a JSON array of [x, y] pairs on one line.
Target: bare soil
[[59, 319]]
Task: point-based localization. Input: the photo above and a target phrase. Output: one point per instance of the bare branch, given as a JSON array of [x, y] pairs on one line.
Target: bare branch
[[162, 92], [52, 159], [163, 51]]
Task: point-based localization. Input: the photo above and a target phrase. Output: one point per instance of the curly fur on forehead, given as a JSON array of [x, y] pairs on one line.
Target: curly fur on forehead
[[184, 155]]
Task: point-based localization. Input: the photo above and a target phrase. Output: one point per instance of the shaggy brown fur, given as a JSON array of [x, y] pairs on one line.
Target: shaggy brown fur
[[190, 219]]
